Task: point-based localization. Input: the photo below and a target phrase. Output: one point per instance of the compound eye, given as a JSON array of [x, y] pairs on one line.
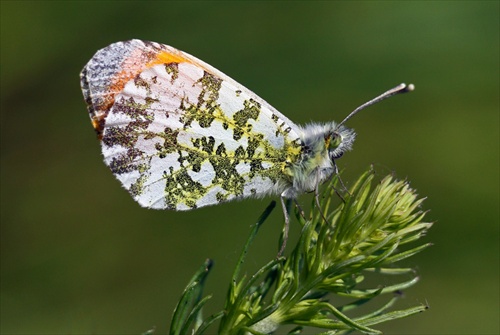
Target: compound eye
[[334, 141]]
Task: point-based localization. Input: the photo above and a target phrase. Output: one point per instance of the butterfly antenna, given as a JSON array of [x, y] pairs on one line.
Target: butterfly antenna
[[402, 88]]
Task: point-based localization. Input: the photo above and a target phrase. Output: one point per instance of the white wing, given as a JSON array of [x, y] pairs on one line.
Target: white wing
[[180, 134]]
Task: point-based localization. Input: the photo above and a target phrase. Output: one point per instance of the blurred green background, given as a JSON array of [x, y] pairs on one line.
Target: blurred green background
[[78, 256]]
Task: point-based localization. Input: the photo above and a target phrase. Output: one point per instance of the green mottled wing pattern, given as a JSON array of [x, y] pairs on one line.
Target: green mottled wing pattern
[[181, 134]]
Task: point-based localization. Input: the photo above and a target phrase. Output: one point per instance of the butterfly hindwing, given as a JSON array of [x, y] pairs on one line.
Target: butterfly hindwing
[[180, 134]]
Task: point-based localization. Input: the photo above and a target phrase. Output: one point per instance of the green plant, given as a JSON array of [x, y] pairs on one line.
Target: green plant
[[319, 284]]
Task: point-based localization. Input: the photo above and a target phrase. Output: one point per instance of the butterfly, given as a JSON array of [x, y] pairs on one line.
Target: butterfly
[[179, 134]]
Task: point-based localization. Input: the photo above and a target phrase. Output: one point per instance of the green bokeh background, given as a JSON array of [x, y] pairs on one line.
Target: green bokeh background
[[79, 256]]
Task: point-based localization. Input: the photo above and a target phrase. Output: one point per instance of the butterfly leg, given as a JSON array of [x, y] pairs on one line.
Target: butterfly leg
[[336, 172], [316, 197], [286, 227]]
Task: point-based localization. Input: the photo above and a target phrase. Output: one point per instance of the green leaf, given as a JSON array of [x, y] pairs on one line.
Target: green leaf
[[183, 316]]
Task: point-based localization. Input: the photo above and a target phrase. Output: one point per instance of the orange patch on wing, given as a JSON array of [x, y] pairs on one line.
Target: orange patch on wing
[[166, 57]]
